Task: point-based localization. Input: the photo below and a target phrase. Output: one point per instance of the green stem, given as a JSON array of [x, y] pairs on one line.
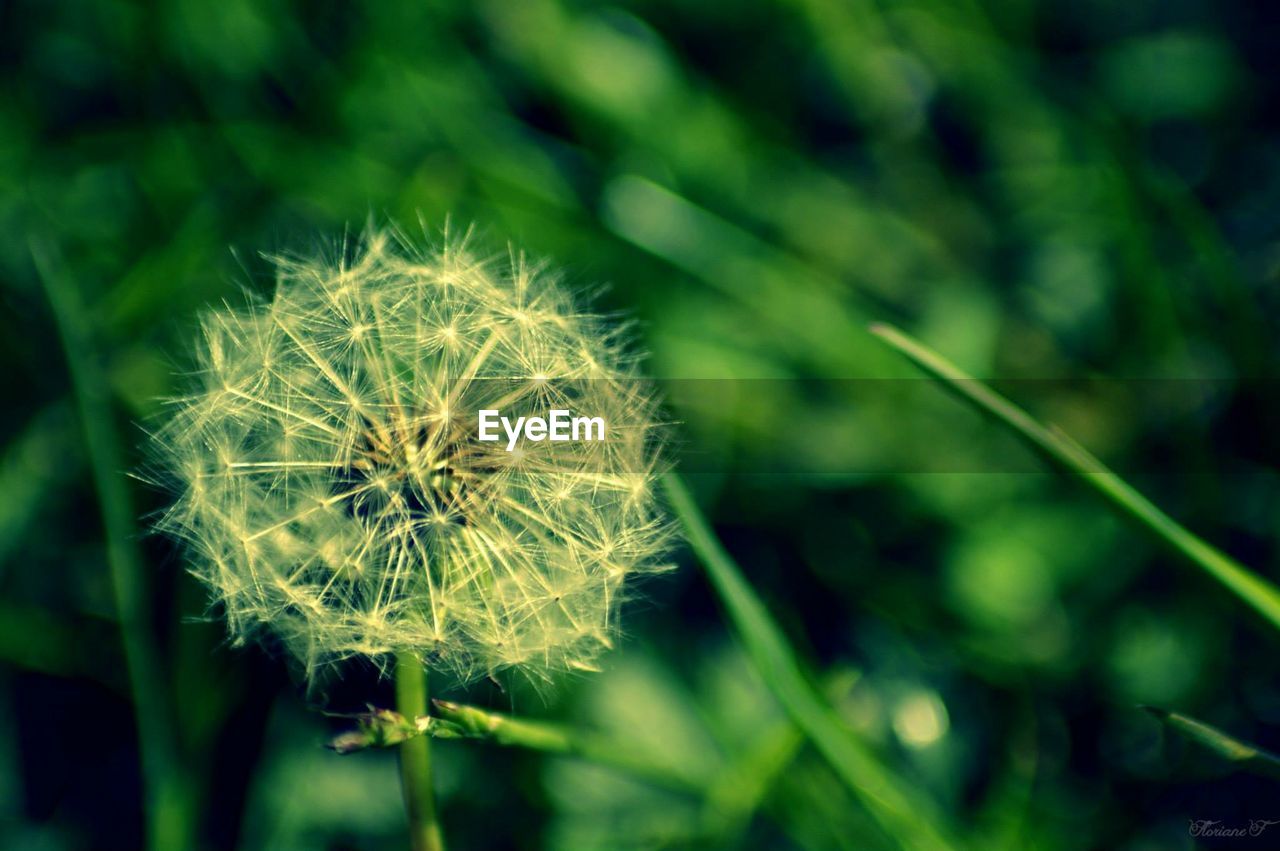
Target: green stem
[[1235, 751], [1058, 447], [555, 739], [747, 784], [901, 809], [165, 790], [415, 758]]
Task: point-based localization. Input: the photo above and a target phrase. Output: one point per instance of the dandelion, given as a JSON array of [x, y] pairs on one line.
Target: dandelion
[[333, 493]]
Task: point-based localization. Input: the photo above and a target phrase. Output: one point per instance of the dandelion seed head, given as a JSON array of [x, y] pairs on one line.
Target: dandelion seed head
[[331, 489]]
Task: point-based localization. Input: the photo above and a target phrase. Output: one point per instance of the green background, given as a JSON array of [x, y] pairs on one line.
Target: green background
[[1079, 198]]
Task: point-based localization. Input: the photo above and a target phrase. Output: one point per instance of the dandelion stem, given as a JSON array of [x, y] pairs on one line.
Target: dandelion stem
[[415, 758]]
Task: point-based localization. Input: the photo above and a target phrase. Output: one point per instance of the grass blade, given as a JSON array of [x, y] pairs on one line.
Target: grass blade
[[164, 792], [903, 813], [1229, 748], [1248, 586], [566, 741]]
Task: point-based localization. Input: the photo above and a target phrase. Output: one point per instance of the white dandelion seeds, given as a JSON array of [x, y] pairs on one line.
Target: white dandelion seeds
[[331, 489]]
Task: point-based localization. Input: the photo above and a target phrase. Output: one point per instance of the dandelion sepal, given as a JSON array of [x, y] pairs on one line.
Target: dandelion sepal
[[385, 728]]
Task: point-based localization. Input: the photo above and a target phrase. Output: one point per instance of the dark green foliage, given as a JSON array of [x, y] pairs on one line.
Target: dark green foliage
[[1075, 201]]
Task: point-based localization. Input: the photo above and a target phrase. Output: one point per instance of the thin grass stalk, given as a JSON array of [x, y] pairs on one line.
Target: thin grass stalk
[[165, 790], [1075, 459], [903, 813], [561, 740]]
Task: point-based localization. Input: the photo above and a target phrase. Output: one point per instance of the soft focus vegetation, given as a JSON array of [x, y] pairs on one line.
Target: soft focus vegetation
[[1077, 201]]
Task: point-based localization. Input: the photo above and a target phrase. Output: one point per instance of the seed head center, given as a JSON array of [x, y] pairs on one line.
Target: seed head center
[[410, 465]]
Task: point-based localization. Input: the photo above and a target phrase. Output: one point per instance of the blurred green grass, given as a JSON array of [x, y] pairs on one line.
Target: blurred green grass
[[1039, 190]]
